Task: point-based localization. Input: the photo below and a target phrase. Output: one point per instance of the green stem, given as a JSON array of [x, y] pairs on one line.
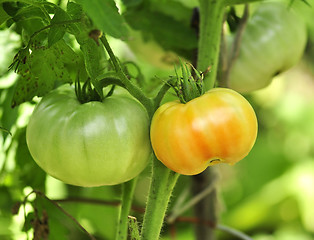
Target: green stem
[[134, 90], [162, 183], [127, 196], [157, 100], [211, 21]]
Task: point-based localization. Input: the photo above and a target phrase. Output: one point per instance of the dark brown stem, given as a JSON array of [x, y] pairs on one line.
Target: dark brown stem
[[206, 210], [235, 48]]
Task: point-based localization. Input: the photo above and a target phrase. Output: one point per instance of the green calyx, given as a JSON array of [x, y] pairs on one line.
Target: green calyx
[[187, 85], [86, 93]]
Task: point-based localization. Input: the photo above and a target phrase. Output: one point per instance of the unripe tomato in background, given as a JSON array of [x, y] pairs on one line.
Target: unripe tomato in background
[[273, 41], [219, 126], [90, 144]]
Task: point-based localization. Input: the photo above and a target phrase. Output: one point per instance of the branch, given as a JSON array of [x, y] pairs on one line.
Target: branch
[[233, 232], [192, 202]]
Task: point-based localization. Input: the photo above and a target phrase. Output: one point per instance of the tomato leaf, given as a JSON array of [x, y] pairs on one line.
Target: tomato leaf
[[42, 71], [30, 173], [175, 36], [57, 32], [3, 15], [132, 3], [106, 17]]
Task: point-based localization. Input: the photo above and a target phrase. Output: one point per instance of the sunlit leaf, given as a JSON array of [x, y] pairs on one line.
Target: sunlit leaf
[[106, 17], [43, 70]]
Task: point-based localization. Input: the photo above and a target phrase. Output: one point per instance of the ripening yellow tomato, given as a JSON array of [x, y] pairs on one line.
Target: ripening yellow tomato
[[219, 126]]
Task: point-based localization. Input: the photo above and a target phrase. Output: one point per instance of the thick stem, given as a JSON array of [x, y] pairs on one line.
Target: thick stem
[[127, 196], [162, 183], [211, 21]]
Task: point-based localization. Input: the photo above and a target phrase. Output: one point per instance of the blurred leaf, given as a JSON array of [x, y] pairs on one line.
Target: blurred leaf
[[8, 115], [106, 17], [5, 201], [175, 36], [3, 15], [30, 174], [132, 3], [29, 12], [102, 218], [5, 130], [27, 223], [9, 7], [61, 226], [173, 9]]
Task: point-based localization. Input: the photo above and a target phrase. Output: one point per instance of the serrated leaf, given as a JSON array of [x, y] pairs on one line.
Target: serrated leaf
[[42, 71], [106, 17], [65, 53], [57, 32]]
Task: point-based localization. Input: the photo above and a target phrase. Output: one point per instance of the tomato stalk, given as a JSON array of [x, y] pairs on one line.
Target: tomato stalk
[[162, 183], [133, 90], [127, 196], [211, 21]]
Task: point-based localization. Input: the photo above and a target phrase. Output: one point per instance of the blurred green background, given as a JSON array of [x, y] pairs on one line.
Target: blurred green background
[[269, 195]]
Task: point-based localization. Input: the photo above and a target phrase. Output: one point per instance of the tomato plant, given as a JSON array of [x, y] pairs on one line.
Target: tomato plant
[[272, 42], [90, 144], [219, 126], [93, 137]]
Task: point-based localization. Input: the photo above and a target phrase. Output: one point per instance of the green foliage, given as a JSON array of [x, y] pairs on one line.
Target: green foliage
[[42, 70], [269, 195], [106, 17], [150, 20]]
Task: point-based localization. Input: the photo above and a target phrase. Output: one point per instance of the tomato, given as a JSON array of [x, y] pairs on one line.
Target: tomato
[[219, 126], [273, 41], [90, 144]]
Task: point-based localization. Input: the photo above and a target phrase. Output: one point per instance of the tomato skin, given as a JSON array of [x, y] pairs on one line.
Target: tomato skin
[[188, 138], [91, 144], [273, 41]]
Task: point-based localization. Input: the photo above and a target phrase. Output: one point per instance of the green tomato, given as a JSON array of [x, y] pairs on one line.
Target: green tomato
[[90, 144], [273, 41]]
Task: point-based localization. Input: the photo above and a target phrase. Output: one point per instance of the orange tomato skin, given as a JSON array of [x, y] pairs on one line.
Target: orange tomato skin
[[219, 126]]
